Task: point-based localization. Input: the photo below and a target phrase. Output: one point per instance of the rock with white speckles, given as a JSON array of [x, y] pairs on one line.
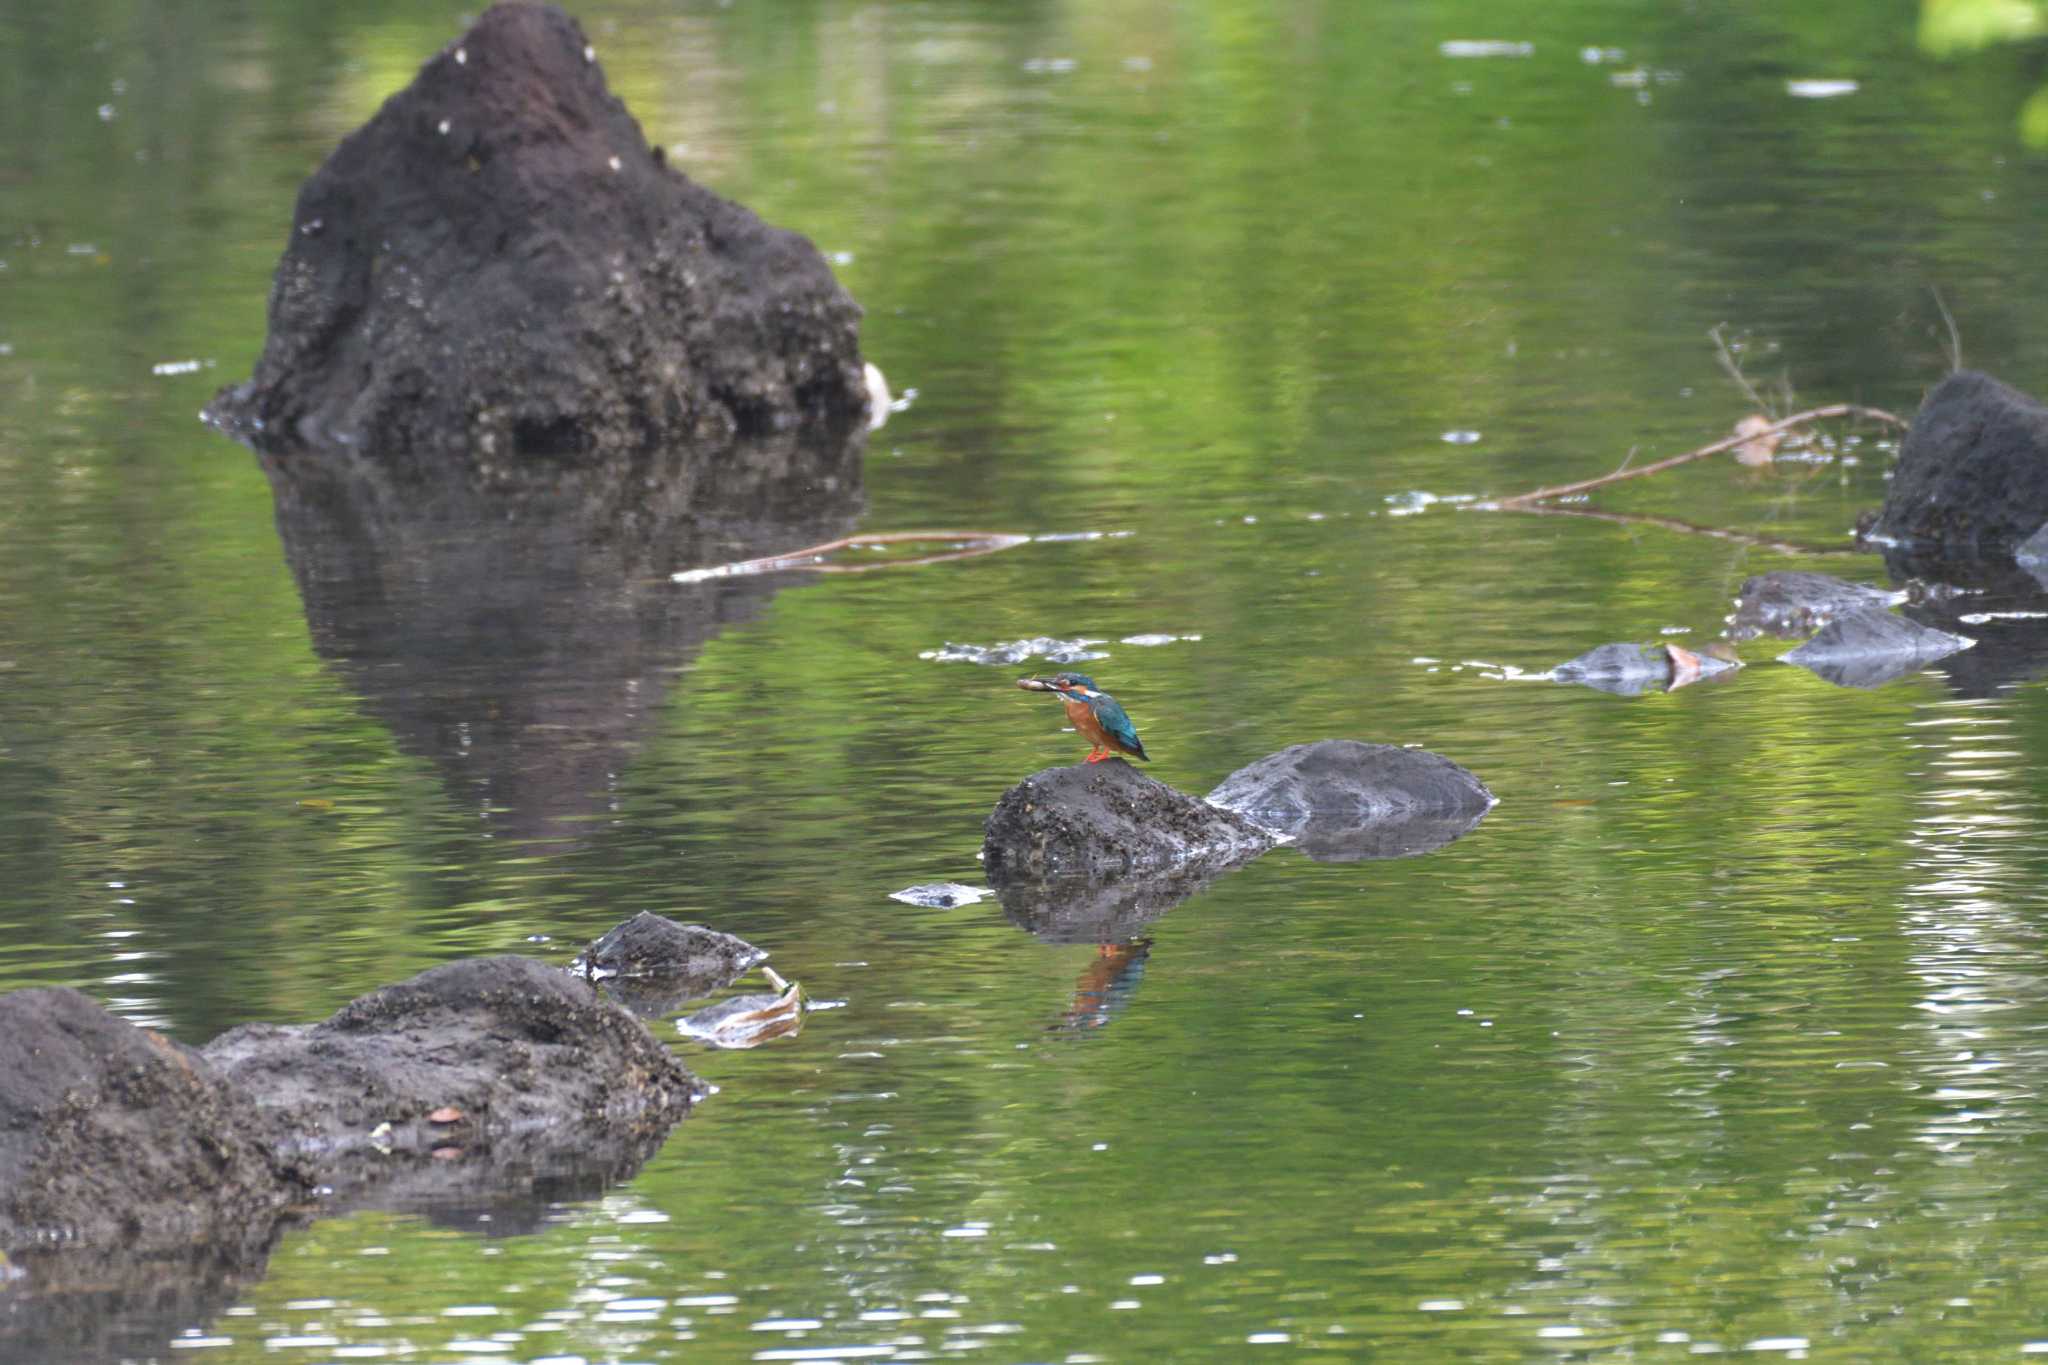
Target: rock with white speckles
[[535, 286]]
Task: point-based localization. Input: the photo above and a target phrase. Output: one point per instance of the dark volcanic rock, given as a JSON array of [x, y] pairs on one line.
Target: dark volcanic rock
[[1869, 648], [1343, 799], [498, 266], [1972, 475], [651, 964], [1789, 604], [1099, 820], [546, 1073], [655, 946], [138, 1189], [141, 1175], [113, 1136]]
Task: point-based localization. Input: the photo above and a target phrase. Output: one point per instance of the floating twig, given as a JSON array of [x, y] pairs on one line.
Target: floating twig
[[811, 558], [1783, 424]]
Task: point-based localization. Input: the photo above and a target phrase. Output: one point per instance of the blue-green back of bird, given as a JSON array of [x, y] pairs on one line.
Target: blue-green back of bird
[[1110, 716]]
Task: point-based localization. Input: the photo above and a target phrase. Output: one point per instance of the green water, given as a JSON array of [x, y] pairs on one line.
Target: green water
[[1727, 1028]]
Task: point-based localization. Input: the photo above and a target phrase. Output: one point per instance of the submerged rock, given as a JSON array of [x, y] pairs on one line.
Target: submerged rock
[[1790, 604], [1342, 799], [1630, 670], [1972, 475], [1870, 648], [498, 266], [1105, 820]]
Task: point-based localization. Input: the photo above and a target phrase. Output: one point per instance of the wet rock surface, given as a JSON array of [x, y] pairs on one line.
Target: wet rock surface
[[543, 1071], [497, 266], [1789, 604], [1869, 648], [136, 1168], [113, 1136], [1343, 799], [1972, 475], [1106, 820], [651, 963]]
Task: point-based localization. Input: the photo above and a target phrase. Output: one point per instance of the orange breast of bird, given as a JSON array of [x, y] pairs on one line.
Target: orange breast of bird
[[1082, 717]]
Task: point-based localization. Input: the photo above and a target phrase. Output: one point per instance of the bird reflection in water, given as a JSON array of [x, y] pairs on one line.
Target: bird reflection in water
[[1107, 987]]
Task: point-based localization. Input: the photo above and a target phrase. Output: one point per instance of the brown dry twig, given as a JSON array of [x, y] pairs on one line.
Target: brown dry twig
[[967, 544], [1783, 424]]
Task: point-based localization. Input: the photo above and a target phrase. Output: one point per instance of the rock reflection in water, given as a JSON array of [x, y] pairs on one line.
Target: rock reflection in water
[[2000, 604], [520, 637], [1313, 792]]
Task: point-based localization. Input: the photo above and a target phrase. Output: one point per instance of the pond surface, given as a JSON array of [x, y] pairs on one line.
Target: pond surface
[[1727, 1029]]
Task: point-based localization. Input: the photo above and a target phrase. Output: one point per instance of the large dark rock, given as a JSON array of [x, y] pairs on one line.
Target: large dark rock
[[498, 266], [1105, 820], [114, 1136], [547, 1075], [140, 1174], [1342, 799], [138, 1189], [1972, 476]]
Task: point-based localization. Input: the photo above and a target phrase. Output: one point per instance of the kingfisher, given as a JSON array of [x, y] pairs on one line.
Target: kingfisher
[[1094, 713]]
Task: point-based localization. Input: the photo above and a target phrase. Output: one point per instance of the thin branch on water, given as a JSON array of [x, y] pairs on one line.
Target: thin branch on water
[[1783, 424], [811, 557]]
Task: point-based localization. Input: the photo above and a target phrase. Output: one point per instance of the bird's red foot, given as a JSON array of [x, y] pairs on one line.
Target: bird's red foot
[[1098, 755]]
